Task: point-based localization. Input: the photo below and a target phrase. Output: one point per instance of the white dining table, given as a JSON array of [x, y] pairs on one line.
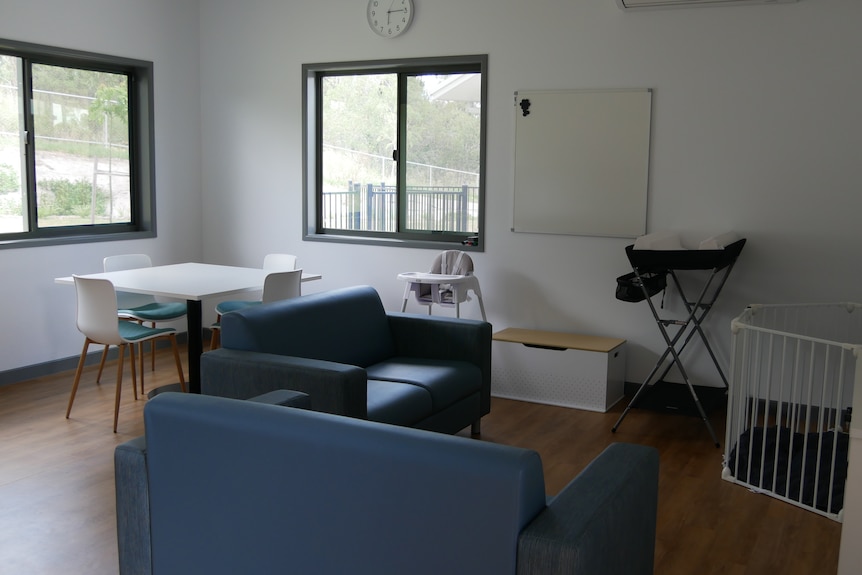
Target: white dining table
[[192, 282]]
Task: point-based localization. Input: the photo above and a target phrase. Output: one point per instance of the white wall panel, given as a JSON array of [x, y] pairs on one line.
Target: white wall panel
[[755, 129]]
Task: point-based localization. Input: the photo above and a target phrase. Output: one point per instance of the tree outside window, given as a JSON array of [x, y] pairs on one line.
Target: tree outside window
[[70, 154], [400, 152]]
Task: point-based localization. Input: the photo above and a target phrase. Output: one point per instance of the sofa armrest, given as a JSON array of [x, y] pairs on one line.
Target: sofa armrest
[[332, 387], [133, 507], [437, 337], [602, 522], [285, 398]]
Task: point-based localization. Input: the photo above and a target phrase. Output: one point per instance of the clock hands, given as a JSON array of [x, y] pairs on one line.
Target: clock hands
[[394, 25], [390, 12]]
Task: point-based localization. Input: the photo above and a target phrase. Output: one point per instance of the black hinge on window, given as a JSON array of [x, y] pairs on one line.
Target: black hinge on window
[[394, 155]]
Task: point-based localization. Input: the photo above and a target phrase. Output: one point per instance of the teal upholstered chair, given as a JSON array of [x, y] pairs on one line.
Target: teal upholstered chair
[[97, 320], [280, 286], [140, 307]]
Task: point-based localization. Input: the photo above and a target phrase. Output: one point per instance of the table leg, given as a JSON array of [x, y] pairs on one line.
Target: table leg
[[195, 344], [195, 349]]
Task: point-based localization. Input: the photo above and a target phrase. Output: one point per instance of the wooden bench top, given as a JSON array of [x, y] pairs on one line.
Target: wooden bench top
[[557, 340]]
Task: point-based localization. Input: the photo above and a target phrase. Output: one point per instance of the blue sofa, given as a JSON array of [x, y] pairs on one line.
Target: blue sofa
[[353, 358], [225, 486]]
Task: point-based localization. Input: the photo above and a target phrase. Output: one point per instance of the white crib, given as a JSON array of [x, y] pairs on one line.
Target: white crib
[[793, 372]]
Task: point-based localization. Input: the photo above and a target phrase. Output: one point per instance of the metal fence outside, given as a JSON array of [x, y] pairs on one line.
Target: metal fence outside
[[374, 207]]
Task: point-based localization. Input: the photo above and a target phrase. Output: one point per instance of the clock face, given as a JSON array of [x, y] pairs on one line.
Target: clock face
[[389, 18]]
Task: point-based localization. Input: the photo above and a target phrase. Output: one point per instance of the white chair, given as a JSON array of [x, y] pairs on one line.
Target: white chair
[[140, 307], [277, 286], [97, 320], [271, 262], [447, 284], [279, 262]]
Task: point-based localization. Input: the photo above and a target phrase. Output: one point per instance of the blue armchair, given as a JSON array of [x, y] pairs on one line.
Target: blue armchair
[[354, 358]]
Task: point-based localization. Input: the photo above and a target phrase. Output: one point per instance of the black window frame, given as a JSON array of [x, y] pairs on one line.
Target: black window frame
[[312, 145], [141, 148]]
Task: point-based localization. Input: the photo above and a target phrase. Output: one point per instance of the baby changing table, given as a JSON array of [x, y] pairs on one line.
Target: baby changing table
[[651, 268]]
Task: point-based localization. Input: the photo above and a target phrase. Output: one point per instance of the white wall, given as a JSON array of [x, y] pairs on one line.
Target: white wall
[[37, 317], [756, 128]]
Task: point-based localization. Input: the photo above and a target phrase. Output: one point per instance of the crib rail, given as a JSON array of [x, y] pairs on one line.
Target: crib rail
[[793, 372]]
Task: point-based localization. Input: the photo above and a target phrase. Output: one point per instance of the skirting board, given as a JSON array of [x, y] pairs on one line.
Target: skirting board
[[52, 367]]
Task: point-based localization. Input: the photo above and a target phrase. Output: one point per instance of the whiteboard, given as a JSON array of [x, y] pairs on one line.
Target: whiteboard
[[582, 162]]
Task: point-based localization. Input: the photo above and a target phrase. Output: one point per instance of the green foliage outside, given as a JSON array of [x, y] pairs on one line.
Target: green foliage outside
[[59, 197], [10, 191], [9, 181], [67, 198], [71, 104], [360, 115], [429, 119], [80, 113]]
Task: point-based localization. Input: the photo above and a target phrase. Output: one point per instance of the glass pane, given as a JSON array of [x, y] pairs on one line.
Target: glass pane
[[442, 155], [81, 128], [13, 198], [359, 121]]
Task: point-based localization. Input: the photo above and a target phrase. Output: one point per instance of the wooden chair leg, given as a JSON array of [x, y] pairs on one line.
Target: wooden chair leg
[[142, 354], [132, 365], [78, 376], [215, 338], [102, 364], [152, 356], [122, 355], [179, 363]]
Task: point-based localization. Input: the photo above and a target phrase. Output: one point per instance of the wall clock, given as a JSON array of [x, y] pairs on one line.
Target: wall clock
[[390, 18]]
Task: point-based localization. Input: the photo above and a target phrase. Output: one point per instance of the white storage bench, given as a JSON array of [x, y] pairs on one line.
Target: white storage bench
[[571, 370]]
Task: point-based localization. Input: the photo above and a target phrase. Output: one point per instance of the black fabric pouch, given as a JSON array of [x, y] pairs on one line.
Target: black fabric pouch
[[629, 285]]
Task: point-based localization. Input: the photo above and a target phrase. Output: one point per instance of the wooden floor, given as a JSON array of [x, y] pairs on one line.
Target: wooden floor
[[57, 492]]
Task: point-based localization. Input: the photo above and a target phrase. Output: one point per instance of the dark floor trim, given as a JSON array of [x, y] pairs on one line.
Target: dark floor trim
[[67, 363]]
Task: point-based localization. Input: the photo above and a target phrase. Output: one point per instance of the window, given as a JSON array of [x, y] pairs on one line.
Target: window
[[76, 160], [394, 151]]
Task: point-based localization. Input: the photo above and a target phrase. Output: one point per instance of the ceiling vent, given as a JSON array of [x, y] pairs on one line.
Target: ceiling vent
[[645, 4]]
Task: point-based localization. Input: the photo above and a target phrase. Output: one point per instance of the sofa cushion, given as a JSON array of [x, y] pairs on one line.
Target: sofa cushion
[[397, 403], [346, 325], [446, 381]]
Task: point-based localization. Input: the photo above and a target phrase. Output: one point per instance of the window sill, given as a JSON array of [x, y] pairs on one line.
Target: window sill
[[391, 242]]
